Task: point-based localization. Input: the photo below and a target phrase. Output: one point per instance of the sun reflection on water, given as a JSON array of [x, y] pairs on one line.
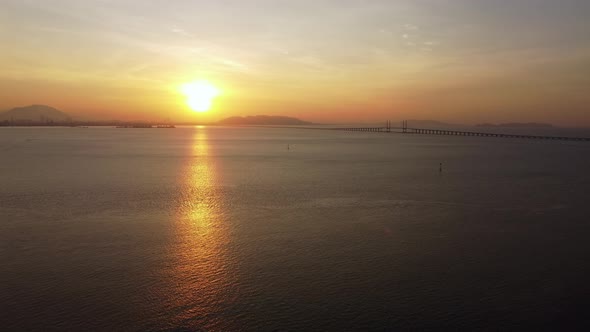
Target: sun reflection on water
[[201, 203], [202, 278]]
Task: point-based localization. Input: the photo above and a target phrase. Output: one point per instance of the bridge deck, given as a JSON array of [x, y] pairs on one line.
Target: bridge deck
[[458, 133]]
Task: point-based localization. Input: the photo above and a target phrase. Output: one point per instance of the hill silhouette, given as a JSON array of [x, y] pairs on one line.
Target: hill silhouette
[[35, 113], [431, 124], [263, 120], [516, 125]]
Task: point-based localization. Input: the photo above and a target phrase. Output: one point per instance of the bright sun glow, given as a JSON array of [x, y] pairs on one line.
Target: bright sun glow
[[199, 95]]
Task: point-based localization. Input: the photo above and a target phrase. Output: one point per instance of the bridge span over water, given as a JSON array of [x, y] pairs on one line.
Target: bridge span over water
[[404, 129]]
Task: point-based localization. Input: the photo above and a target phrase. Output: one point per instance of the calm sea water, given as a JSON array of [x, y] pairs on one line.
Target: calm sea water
[[224, 229]]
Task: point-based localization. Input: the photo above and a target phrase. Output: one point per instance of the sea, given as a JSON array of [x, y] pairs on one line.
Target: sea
[[285, 229]]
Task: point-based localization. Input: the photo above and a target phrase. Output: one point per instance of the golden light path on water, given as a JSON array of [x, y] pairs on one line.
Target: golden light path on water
[[201, 275]]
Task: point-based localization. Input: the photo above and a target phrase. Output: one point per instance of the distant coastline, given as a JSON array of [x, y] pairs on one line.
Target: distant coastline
[[263, 120], [43, 115]]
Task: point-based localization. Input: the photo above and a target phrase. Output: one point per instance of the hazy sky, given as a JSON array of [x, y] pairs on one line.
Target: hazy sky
[[462, 61]]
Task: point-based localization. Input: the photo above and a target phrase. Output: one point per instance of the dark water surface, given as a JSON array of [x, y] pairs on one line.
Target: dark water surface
[[225, 229]]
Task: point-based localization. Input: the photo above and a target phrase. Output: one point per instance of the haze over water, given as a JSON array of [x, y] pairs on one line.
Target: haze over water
[[214, 228]]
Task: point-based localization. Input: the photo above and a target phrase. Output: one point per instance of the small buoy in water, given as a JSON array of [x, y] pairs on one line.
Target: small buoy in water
[[440, 168]]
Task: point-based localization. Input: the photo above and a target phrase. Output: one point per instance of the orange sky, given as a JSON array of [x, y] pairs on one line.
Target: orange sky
[[463, 61]]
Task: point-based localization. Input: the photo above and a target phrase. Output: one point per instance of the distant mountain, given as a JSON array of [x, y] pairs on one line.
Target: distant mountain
[[430, 124], [516, 125], [35, 113], [263, 120]]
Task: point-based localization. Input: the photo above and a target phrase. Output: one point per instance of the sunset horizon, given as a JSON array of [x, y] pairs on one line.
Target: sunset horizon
[[199, 119], [347, 61]]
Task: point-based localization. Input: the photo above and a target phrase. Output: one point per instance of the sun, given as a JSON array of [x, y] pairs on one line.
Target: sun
[[199, 95]]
